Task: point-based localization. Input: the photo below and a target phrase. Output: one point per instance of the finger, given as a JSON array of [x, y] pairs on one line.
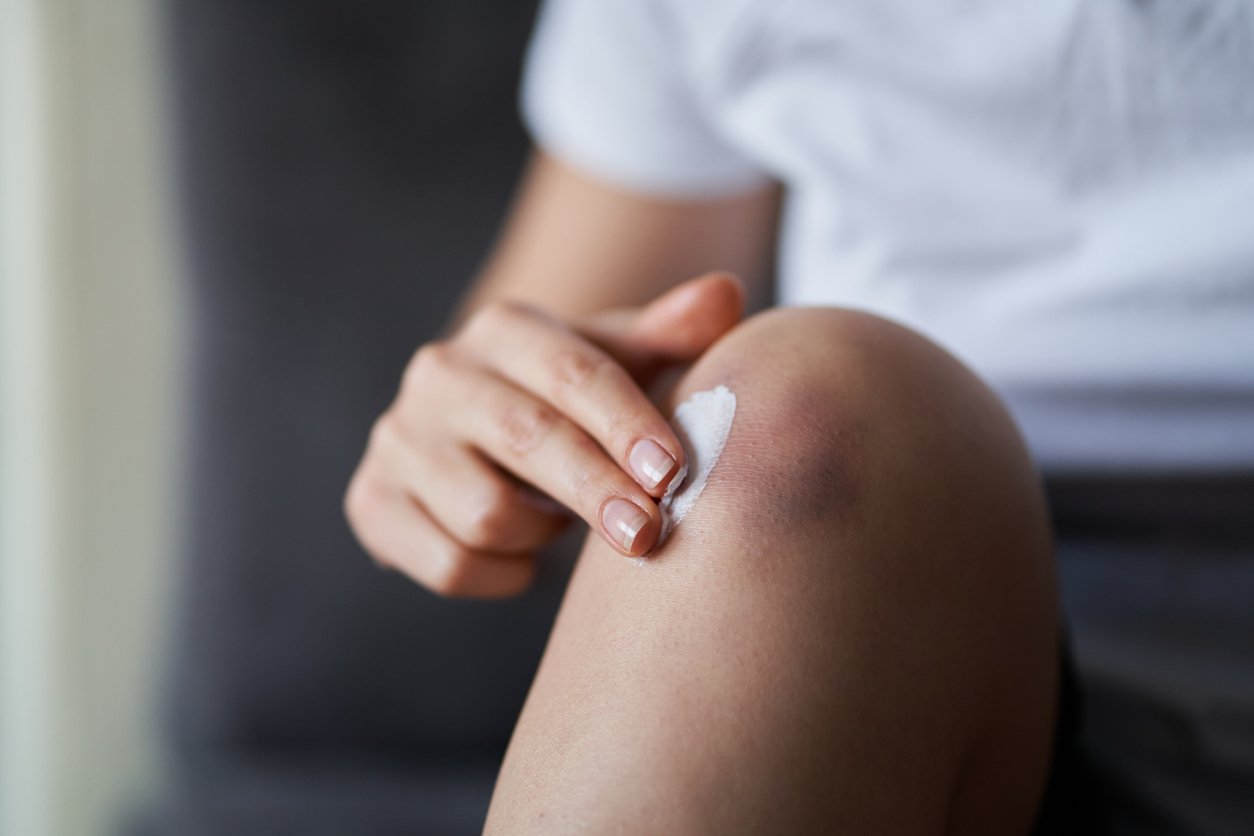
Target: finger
[[471, 500], [397, 532], [677, 327], [539, 445], [585, 384]]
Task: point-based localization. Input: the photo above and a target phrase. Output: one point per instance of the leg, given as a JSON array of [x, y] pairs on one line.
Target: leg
[[853, 631]]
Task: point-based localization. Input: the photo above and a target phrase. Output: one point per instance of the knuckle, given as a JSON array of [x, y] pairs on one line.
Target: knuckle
[[487, 323], [523, 427], [380, 560], [573, 367], [361, 501], [383, 434], [449, 572], [493, 316], [487, 522], [427, 361], [358, 498]]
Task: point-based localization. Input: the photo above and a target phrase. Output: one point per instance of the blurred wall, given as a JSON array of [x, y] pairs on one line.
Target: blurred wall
[[86, 374]]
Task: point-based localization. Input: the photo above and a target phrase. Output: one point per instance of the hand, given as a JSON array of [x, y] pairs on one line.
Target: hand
[[518, 410]]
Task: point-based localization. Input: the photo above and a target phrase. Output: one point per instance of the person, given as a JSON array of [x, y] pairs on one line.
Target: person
[[1013, 250]]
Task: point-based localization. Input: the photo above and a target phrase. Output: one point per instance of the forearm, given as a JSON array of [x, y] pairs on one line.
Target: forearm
[[571, 245]]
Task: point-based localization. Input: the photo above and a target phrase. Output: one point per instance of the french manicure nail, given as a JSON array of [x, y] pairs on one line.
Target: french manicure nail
[[650, 463], [623, 520]]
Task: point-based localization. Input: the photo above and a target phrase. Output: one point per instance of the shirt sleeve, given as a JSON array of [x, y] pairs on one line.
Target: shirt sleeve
[[605, 90]]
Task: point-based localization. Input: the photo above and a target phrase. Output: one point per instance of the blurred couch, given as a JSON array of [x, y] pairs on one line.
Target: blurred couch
[[341, 168]]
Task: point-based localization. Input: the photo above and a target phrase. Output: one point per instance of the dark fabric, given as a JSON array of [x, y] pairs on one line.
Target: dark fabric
[[1131, 756], [1156, 579], [1070, 805], [342, 167]]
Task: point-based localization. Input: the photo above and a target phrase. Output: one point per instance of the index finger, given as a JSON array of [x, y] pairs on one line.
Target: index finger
[[585, 384]]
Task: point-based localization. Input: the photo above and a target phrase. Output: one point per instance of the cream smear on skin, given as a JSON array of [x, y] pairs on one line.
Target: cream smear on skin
[[702, 423]]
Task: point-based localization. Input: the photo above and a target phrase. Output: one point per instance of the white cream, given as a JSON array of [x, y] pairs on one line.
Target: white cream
[[702, 423]]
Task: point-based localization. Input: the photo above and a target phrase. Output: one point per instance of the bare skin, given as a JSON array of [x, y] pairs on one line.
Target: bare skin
[[574, 246], [854, 630]]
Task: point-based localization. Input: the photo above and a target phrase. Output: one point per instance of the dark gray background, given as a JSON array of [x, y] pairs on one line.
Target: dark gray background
[[341, 169]]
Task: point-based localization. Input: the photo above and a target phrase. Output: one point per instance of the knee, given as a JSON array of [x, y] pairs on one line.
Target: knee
[[842, 416]]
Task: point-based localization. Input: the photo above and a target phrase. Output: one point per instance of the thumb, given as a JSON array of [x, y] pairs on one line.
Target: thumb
[[677, 327], [684, 322]]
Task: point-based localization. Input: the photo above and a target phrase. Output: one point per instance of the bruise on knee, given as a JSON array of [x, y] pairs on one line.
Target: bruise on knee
[[793, 459]]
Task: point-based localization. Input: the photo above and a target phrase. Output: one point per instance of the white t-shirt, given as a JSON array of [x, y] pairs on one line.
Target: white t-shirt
[[1061, 192]]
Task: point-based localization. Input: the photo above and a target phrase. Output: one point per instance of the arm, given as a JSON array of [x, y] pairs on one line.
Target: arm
[[572, 245]]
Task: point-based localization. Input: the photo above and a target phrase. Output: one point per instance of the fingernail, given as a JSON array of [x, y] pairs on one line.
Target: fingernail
[[623, 520], [650, 463]]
